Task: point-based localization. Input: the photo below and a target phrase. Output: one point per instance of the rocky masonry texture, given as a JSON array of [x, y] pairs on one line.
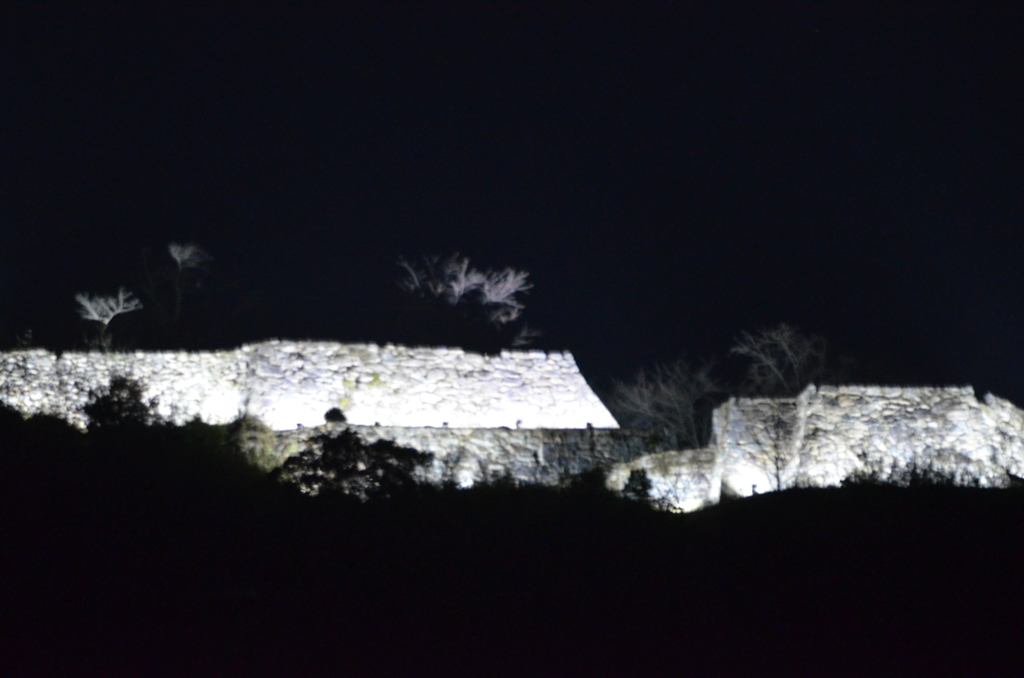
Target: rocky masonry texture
[[526, 413], [289, 384], [467, 456], [831, 432], [828, 434]]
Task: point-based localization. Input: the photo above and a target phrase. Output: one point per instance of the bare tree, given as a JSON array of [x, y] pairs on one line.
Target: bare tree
[[188, 256], [503, 314], [525, 336], [460, 280], [489, 296], [501, 287], [415, 278], [452, 280], [776, 451], [783, 360], [674, 400], [105, 309]]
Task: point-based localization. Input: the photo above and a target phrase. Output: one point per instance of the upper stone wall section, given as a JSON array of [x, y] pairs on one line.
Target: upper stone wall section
[[289, 384], [213, 386], [295, 383], [469, 456]]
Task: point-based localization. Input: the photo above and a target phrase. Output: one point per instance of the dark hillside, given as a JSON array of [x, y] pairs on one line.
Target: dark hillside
[[155, 551]]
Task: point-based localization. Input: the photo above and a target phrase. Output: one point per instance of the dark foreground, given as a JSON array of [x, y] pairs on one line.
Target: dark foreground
[[156, 555]]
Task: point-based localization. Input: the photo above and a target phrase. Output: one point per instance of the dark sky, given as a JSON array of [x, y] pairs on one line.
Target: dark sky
[[669, 176]]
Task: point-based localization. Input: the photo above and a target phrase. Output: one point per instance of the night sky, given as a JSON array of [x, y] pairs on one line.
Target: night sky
[[669, 176]]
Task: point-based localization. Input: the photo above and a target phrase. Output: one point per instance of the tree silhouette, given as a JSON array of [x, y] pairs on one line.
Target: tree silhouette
[[782, 360], [343, 462], [189, 258], [167, 281], [105, 309], [454, 304], [673, 400], [122, 403]]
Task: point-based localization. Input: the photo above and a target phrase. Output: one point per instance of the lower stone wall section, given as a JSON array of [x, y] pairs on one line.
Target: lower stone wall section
[[526, 414], [680, 481], [467, 456]]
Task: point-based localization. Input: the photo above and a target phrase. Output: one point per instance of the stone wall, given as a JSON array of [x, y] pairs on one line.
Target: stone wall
[[878, 429], [531, 415], [680, 481], [467, 456], [288, 384], [213, 386], [831, 433]]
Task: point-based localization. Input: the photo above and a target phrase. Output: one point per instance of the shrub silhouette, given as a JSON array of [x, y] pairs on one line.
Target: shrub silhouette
[[10, 418], [915, 474], [346, 464], [120, 404], [335, 415], [638, 487], [255, 441], [590, 483]]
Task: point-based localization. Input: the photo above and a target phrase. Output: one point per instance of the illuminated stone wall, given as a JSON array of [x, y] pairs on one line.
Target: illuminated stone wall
[[467, 456], [526, 414], [831, 433], [289, 384], [210, 385]]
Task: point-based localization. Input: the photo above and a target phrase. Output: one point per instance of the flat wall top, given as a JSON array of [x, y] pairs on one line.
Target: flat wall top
[[293, 383], [891, 391]]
